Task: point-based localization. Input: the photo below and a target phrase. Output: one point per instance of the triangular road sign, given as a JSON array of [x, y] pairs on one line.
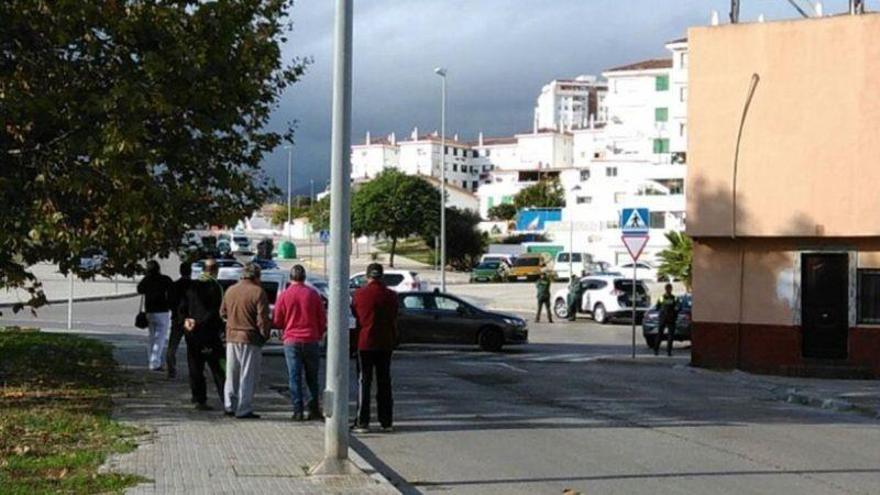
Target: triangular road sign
[[635, 244]]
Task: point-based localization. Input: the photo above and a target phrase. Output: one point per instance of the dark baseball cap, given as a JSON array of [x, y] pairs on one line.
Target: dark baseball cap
[[375, 270]]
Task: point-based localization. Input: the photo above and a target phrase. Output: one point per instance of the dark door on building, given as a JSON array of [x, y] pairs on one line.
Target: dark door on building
[[825, 304]]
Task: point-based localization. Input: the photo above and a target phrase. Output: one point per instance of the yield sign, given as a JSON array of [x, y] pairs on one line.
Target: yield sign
[[635, 244]]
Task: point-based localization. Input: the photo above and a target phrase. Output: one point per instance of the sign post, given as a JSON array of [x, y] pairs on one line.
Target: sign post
[[634, 225], [325, 239]]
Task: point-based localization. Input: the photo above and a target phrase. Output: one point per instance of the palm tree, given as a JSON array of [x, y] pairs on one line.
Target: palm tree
[[677, 260]]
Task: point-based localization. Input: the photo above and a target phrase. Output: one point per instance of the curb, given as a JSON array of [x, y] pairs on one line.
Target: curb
[[109, 297], [370, 470]]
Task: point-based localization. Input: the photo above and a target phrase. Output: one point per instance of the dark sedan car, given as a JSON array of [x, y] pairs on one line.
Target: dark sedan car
[[651, 322], [437, 318]]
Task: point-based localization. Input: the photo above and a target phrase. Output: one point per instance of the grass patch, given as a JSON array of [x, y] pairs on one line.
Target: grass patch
[[413, 248], [55, 426]]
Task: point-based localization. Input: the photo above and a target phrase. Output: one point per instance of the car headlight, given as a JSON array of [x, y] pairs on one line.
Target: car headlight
[[514, 322]]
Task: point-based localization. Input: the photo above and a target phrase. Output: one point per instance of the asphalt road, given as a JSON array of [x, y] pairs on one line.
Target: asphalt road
[[570, 410]]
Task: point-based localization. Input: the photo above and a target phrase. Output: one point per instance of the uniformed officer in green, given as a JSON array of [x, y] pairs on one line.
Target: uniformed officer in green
[[543, 289], [668, 306]]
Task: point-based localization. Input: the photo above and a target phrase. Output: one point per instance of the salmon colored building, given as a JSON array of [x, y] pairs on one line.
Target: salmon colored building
[[784, 195]]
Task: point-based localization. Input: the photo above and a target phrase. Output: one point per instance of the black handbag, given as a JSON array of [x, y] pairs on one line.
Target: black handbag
[[140, 321]]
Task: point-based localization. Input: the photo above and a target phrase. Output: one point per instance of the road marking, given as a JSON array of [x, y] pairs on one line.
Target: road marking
[[490, 363]]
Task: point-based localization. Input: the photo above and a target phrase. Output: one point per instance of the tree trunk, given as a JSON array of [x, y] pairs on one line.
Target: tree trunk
[[393, 249]]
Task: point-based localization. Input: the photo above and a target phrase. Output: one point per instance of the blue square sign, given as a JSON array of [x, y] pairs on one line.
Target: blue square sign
[[635, 220]]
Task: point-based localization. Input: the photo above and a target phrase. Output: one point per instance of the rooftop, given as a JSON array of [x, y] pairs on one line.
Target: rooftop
[[652, 64]]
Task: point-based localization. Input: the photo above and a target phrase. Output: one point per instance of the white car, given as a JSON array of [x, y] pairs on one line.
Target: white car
[[605, 297], [580, 263], [396, 280], [644, 270], [241, 244]]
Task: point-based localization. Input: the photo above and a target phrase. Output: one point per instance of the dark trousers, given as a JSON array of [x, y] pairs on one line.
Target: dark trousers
[[669, 327], [541, 304], [303, 358], [197, 355], [173, 344], [380, 361]]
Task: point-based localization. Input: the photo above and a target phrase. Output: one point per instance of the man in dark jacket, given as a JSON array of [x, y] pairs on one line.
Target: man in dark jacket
[[200, 311], [375, 310], [175, 296], [542, 287]]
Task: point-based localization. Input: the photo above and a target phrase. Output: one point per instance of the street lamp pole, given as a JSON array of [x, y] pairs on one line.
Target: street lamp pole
[[336, 390], [289, 149], [440, 71]]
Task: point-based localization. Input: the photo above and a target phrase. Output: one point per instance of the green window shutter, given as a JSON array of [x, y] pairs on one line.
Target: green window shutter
[[661, 83], [507, 200], [491, 201], [661, 146], [661, 114]]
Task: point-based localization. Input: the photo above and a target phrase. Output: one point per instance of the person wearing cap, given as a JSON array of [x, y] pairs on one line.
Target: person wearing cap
[[200, 312], [246, 310], [375, 309], [300, 313]]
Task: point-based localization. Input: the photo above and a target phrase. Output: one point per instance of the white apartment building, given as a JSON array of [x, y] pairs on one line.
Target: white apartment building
[[566, 104], [625, 149]]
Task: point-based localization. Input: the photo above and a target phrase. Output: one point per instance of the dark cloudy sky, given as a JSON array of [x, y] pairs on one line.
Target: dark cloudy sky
[[499, 54]]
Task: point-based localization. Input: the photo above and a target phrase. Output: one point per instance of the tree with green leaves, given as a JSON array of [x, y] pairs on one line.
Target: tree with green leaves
[[676, 261], [469, 243], [396, 206], [128, 122], [319, 214], [546, 193], [503, 212]]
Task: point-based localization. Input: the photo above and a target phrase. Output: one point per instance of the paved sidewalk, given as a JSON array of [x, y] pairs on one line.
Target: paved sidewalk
[[57, 288], [189, 451]]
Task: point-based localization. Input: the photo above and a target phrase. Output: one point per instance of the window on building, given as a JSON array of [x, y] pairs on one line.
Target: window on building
[[464, 184], [619, 197], [507, 200], [682, 128], [455, 167], [610, 171], [658, 220], [676, 186], [454, 151], [475, 184], [446, 150], [661, 83], [585, 175], [584, 200], [683, 58], [661, 146], [661, 114], [869, 296], [488, 152], [683, 94]]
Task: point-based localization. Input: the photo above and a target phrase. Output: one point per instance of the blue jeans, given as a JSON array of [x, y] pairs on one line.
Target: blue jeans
[[301, 357]]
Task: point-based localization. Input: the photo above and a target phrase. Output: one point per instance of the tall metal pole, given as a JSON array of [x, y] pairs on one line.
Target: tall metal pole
[[336, 389], [442, 73], [633, 303], [289, 182], [70, 300]]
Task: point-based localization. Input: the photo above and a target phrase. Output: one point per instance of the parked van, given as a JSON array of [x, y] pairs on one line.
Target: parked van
[[529, 266], [580, 263]]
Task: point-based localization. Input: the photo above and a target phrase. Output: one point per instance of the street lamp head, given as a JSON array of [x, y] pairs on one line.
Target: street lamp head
[[440, 71]]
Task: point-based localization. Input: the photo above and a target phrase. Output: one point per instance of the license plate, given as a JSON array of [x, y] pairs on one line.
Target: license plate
[[522, 278]]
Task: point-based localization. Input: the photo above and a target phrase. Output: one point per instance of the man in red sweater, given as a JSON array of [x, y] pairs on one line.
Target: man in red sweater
[[375, 309], [300, 314]]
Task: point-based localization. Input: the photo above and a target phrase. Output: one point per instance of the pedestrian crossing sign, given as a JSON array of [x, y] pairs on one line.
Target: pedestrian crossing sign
[[635, 220]]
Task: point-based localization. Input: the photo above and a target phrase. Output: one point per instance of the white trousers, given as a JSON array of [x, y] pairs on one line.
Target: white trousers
[[242, 377], [159, 325]]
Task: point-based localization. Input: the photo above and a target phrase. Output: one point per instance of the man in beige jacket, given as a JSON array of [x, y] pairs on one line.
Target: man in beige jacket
[[246, 310]]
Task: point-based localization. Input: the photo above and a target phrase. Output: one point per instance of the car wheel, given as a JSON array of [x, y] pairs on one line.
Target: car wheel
[[599, 314], [491, 339], [560, 308]]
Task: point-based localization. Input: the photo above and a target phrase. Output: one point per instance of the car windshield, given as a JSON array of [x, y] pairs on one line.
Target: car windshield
[[627, 286], [527, 262], [686, 302], [241, 240], [488, 265]]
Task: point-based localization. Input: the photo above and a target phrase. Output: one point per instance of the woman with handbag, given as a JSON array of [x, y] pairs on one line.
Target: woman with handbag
[[154, 289]]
